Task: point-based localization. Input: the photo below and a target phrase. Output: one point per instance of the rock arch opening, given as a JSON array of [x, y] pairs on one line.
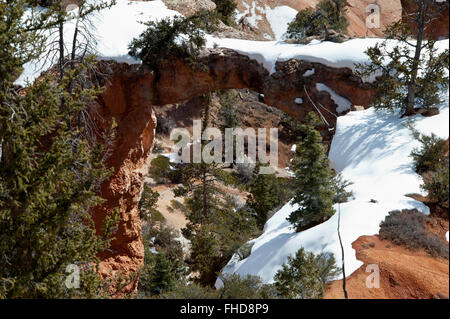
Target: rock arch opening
[[131, 93]]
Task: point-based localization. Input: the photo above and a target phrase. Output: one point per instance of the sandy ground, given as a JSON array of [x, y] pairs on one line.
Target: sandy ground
[[173, 218]]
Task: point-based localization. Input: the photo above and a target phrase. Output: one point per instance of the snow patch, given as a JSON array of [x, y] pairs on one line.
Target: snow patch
[[342, 103], [279, 18], [309, 72]]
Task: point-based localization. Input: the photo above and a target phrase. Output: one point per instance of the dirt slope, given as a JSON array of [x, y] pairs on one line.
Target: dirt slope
[[403, 274]]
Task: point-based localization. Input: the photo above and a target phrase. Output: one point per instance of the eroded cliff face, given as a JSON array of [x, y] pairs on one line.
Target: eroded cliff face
[[131, 93], [129, 105]]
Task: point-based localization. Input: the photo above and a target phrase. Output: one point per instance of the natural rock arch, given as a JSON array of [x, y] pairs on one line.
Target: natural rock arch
[[132, 91]]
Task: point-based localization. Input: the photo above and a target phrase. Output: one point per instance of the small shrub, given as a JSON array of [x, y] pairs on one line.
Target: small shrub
[[226, 11], [408, 228], [245, 171], [157, 148], [167, 239], [160, 169], [329, 15], [248, 287], [178, 36], [437, 184], [305, 276], [185, 290], [431, 153], [245, 250], [147, 204]]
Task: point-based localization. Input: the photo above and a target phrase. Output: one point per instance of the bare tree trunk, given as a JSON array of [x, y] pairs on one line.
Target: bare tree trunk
[[422, 8], [205, 200], [61, 49]]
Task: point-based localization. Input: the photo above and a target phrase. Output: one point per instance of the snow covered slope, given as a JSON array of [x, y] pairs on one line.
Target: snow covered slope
[[372, 150]]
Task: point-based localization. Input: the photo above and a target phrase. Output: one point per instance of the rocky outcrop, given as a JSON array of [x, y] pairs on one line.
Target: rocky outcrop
[[127, 104], [189, 7], [133, 91]]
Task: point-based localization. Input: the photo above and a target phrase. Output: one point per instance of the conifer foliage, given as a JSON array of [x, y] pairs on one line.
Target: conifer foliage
[[179, 37], [226, 11], [313, 181], [305, 275], [49, 172]]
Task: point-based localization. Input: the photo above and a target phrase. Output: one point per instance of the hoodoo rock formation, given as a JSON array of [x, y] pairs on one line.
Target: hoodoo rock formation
[[132, 91]]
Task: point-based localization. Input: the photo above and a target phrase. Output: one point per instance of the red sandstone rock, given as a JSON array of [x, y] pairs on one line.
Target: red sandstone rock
[[130, 95]]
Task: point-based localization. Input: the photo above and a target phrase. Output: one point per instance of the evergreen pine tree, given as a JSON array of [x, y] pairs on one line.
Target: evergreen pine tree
[[216, 228], [178, 36], [264, 195], [305, 275], [411, 73], [158, 275], [49, 173], [313, 179]]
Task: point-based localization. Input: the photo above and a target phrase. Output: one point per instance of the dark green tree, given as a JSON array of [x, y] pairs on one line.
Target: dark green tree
[[431, 161], [412, 72], [160, 169], [228, 100], [217, 226], [49, 172], [305, 275], [157, 276], [226, 11], [178, 36], [147, 204], [264, 195], [313, 181]]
